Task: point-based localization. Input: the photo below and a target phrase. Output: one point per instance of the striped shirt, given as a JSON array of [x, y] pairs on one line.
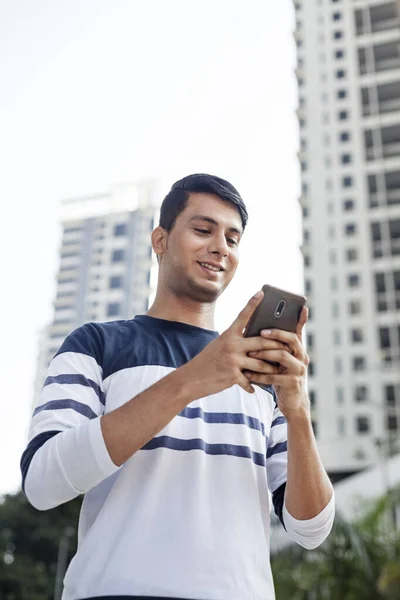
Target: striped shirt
[[187, 516]]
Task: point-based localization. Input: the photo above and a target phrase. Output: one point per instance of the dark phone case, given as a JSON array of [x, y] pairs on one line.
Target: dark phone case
[[264, 317]]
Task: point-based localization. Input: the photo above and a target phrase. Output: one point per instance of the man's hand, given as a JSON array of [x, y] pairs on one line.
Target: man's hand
[[222, 362], [289, 380]]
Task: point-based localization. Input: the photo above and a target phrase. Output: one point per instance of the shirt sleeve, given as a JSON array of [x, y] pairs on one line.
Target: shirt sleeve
[[277, 459], [66, 454], [311, 533]]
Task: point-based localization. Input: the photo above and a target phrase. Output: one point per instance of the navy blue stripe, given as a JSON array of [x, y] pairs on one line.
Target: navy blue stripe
[[165, 441], [79, 379], [278, 421], [31, 450], [83, 409], [220, 417], [281, 447]]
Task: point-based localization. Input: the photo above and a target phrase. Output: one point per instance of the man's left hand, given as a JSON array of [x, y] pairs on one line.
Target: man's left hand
[[290, 383]]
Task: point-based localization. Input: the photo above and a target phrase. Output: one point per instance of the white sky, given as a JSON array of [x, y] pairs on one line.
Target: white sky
[[94, 92]]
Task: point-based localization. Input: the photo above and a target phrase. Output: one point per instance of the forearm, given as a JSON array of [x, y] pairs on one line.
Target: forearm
[[128, 428], [77, 459], [308, 488]]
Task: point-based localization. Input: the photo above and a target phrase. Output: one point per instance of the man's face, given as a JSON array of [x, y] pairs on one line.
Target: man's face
[[202, 254]]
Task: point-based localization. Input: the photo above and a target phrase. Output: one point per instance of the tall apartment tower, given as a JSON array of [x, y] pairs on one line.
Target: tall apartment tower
[[348, 72], [106, 267]]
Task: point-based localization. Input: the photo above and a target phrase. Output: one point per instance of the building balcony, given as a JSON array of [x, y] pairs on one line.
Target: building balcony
[[383, 142], [379, 57], [382, 99], [376, 18]]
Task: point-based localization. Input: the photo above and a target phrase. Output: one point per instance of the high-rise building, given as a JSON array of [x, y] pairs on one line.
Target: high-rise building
[[348, 72], [106, 266]]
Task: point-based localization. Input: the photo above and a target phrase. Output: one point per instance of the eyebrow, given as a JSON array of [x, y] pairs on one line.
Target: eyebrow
[[213, 222]]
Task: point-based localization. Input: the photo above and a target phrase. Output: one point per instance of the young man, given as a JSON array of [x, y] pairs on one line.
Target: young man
[[157, 422]]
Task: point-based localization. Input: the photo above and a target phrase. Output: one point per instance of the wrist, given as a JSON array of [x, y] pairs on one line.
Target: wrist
[[299, 416], [188, 386]]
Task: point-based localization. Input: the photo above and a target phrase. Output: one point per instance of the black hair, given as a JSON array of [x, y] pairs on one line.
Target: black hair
[[176, 200]]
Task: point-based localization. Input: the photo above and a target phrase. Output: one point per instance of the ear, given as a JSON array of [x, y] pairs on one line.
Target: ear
[[159, 239]]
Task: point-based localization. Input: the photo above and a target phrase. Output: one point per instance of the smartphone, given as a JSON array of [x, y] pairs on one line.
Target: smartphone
[[278, 310]]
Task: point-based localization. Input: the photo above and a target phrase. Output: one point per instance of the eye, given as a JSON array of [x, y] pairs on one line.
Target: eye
[[232, 241], [201, 230]]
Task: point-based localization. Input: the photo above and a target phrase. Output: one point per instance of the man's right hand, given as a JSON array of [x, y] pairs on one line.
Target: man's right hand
[[222, 362]]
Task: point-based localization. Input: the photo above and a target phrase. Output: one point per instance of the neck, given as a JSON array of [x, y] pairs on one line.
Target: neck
[[184, 310]]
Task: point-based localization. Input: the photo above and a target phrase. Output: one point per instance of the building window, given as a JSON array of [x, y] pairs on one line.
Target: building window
[[312, 397], [335, 310], [338, 365], [120, 229], [355, 307], [356, 336], [362, 424], [336, 337], [113, 309], [350, 228], [341, 426], [307, 260], [351, 254], [339, 395], [346, 159], [118, 255], [343, 115], [344, 136], [340, 74], [348, 205], [341, 94], [337, 16], [310, 340], [347, 181], [305, 212], [339, 54], [392, 423], [361, 393], [334, 283], [359, 363], [392, 395], [68, 230], [337, 35], [116, 281], [353, 280], [311, 369], [332, 257], [308, 286]]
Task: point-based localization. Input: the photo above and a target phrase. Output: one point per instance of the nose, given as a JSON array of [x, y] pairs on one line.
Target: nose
[[219, 245]]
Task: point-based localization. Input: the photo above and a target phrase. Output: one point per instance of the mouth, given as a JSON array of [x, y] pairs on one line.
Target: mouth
[[210, 269]]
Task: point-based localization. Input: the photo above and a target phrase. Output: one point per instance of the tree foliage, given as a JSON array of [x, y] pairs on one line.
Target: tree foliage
[[359, 560], [29, 543]]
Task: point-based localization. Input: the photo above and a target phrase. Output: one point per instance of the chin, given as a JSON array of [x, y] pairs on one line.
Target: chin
[[204, 293]]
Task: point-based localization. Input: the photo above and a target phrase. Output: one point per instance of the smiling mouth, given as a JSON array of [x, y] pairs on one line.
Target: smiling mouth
[[210, 268]]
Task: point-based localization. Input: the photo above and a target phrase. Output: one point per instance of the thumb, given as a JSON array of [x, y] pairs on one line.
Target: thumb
[[243, 318]]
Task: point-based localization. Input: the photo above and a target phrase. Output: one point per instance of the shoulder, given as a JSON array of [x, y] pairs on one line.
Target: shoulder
[[93, 338]]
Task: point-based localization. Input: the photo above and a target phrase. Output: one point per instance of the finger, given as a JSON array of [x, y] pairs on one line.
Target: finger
[[269, 345], [285, 359], [259, 366], [266, 379], [243, 318], [286, 337], [245, 384], [302, 321]]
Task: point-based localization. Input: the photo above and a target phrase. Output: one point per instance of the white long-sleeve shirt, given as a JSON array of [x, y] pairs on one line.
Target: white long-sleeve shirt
[[187, 516]]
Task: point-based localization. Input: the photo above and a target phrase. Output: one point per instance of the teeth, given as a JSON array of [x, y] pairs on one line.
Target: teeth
[[207, 266]]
